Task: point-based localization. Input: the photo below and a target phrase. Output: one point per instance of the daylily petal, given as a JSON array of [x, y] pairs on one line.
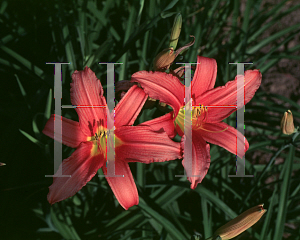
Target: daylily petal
[[204, 78], [86, 90], [179, 131], [124, 188], [130, 106], [142, 144], [72, 135], [200, 159], [82, 166], [166, 122], [227, 95], [162, 86], [227, 139]]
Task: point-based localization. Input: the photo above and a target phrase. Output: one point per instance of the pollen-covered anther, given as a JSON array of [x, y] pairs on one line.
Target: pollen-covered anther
[[100, 135], [199, 115]]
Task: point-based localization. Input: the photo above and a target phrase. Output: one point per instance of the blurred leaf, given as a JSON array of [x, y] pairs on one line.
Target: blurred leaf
[[63, 223], [171, 229], [284, 193], [32, 139], [25, 62]]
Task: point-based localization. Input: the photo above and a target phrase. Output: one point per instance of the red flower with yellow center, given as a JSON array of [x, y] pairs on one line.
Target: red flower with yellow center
[[89, 137], [207, 125]]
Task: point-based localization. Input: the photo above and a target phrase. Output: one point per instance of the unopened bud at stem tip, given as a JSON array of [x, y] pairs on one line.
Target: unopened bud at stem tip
[[287, 123], [175, 31], [240, 223]]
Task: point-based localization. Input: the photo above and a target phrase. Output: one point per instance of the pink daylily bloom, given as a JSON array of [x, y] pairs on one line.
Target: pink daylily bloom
[[88, 136], [207, 125]]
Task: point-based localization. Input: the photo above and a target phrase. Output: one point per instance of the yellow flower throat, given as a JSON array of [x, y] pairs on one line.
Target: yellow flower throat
[[199, 117], [99, 140]]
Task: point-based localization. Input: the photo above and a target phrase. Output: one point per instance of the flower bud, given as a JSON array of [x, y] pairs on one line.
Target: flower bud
[[287, 124], [164, 59], [175, 31], [240, 224]]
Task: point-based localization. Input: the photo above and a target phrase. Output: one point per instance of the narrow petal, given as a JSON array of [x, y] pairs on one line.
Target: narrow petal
[[86, 91], [82, 166], [165, 122], [227, 139], [227, 96], [205, 77], [72, 135], [200, 159], [142, 144], [162, 86], [124, 188], [130, 106]]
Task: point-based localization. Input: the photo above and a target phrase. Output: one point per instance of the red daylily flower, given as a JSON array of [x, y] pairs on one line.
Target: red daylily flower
[[207, 125], [88, 136]]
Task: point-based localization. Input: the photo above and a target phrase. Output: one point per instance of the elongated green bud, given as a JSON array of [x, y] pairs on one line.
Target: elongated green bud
[[175, 31]]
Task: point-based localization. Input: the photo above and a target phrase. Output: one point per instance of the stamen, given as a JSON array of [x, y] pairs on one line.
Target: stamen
[[212, 131], [197, 113]]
